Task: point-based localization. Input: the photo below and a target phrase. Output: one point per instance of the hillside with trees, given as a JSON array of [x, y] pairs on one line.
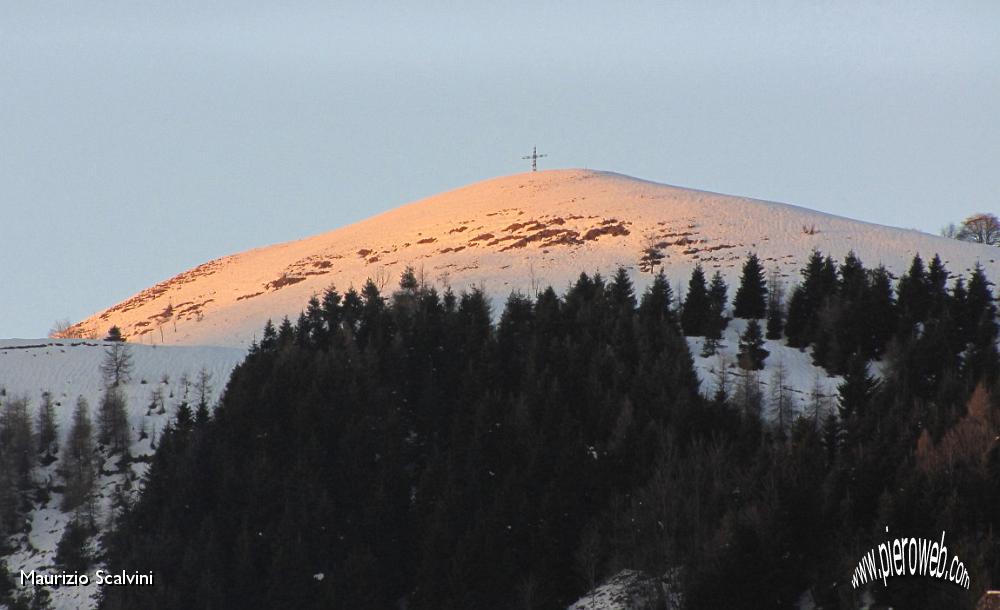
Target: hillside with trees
[[404, 450]]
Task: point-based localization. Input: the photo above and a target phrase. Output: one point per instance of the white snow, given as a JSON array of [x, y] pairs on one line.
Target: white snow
[[71, 368], [632, 590], [227, 301], [520, 232], [801, 375]]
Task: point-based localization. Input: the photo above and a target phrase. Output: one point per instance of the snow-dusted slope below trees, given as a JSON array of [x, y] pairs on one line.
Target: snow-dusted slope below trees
[[512, 233], [68, 369]]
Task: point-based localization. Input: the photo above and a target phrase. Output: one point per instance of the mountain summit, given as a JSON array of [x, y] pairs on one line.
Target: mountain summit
[[519, 232]]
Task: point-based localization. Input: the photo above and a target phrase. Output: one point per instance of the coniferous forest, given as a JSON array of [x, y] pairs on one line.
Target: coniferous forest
[[417, 450]]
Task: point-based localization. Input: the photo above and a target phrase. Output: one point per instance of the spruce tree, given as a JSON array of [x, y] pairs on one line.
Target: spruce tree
[[269, 339], [203, 387], [752, 353], [621, 292], [715, 321], [46, 429], [831, 437], [914, 296], [183, 418], [775, 307], [819, 282], [983, 360], [78, 465], [852, 277], [797, 322], [781, 398], [316, 323], [303, 331], [696, 310], [286, 333], [113, 425], [331, 310], [937, 280], [959, 310], [116, 368], [114, 335], [651, 256], [717, 299], [855, 393], [879, 313], [657, 301], [73, 550], [17, 441], [751, 297]]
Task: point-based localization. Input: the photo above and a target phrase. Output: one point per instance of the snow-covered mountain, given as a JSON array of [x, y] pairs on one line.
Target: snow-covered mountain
[[520, 232], [517, 232]]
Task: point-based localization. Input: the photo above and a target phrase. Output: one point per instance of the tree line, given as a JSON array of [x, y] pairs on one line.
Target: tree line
[[404, 449]]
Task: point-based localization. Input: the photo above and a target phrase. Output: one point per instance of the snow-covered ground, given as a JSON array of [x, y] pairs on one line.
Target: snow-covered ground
[[801, 378], [68, 369], [632, 590], [517, 232]]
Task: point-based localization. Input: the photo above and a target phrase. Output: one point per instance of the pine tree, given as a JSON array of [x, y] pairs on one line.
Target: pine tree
[[751, 296], [716, 320], [657, 301], [156, 401], [621, 292], [880, 317], [959, 311], [116, 368], [78, 466], [318, 333], [331, 311], [183, 418], [983, 360], [831, 437], [775, 307], [797, 323], [749, 397], [752, 353], [718, 293], [113, 425], [980, 297], [856, 392], [47, 431], [781, 400], [696, 310], [17, 442], [286, 333], [852, 277], [937, 280], [651, 256], [73, 550], [408, 280], [914, 296], [303, 331], [203, 388], [114, 335], [269, 339], [819, 283]]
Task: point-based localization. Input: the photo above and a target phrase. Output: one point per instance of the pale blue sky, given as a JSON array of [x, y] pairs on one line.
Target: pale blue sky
[[138, 139]]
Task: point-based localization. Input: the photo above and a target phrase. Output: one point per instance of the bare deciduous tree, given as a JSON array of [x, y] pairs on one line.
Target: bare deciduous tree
[[982, 228], [781, 399], [117, 365], [62, 329], [652, 254]]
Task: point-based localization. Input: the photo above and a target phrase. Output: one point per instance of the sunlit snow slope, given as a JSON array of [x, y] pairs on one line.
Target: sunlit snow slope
[[512, 233]]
